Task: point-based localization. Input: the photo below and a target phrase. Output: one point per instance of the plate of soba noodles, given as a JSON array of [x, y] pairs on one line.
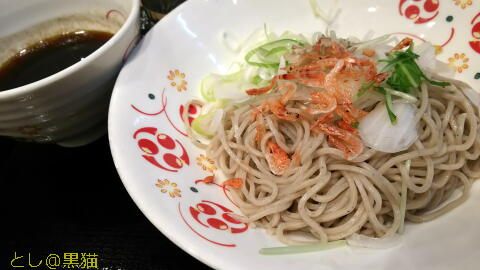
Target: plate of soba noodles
[[309, 134]]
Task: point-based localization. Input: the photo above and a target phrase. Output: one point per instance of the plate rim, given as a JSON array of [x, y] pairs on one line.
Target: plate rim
[[215, 263]]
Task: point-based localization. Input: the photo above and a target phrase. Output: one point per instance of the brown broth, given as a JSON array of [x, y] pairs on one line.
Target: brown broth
[[49, 56]]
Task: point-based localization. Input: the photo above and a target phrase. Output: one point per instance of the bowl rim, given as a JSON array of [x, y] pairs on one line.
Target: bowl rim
[[31, 87]]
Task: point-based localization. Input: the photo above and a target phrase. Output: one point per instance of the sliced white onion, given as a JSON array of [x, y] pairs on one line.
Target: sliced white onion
[[207, 108], [377, 132], [302, 93], [266, 73], [372, 42], [255, 39], [215, 122], [427, 59], [358, 240], [249, 72], [230, 90], [428, 62]]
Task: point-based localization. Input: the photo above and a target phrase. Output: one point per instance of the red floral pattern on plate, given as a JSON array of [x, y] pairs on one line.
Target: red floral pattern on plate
[[225, 189], [168, 154], [161, 150], [193, 112], [208, 216], [475, 43], [163, 110], [420, 11]]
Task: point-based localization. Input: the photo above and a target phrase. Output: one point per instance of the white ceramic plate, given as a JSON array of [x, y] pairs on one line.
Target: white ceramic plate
[[160, 167]]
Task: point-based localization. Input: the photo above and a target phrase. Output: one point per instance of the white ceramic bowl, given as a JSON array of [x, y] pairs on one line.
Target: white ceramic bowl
[[68, 107], [160, 167]]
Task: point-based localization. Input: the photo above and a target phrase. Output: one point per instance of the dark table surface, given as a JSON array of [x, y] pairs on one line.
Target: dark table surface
[[67, 201], [71, 200]]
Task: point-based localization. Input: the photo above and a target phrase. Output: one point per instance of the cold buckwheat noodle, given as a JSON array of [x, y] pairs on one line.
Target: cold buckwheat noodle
[[325, 191]]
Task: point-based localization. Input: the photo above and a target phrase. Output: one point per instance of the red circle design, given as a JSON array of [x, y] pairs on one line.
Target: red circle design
[[218, 217], [173, 161], [412, 12], [151, 150], [148, 146], [193, 112], [192, 109], [166, 141], [199, 234], [229, 218], [431, 5], [217, 224], [206, 209], [475, 43]]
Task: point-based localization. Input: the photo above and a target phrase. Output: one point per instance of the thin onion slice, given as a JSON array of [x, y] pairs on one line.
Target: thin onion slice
[[377, 132], [358, 240], [208, 124], [302, 248]]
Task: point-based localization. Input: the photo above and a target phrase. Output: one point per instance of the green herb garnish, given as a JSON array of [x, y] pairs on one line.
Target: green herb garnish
[[405, 74], [365, 88]]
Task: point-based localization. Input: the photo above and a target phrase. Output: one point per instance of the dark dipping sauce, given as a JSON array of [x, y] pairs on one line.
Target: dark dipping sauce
[[49, 57]]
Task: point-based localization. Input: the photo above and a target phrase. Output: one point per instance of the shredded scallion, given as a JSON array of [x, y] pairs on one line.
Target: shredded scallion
[[302, 248], [268, 55], [403, 95]]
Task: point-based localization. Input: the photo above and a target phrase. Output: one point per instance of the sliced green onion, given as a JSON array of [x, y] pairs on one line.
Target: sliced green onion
[[405, 72], [200, 124], [277, 52], [256, 80], [302, 248], [408, 75], [390, 64], [388, 103], [214, 82], [317, 12], [403, 95], [206, 89], [269, 54], [432, 82], [365, 88]]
